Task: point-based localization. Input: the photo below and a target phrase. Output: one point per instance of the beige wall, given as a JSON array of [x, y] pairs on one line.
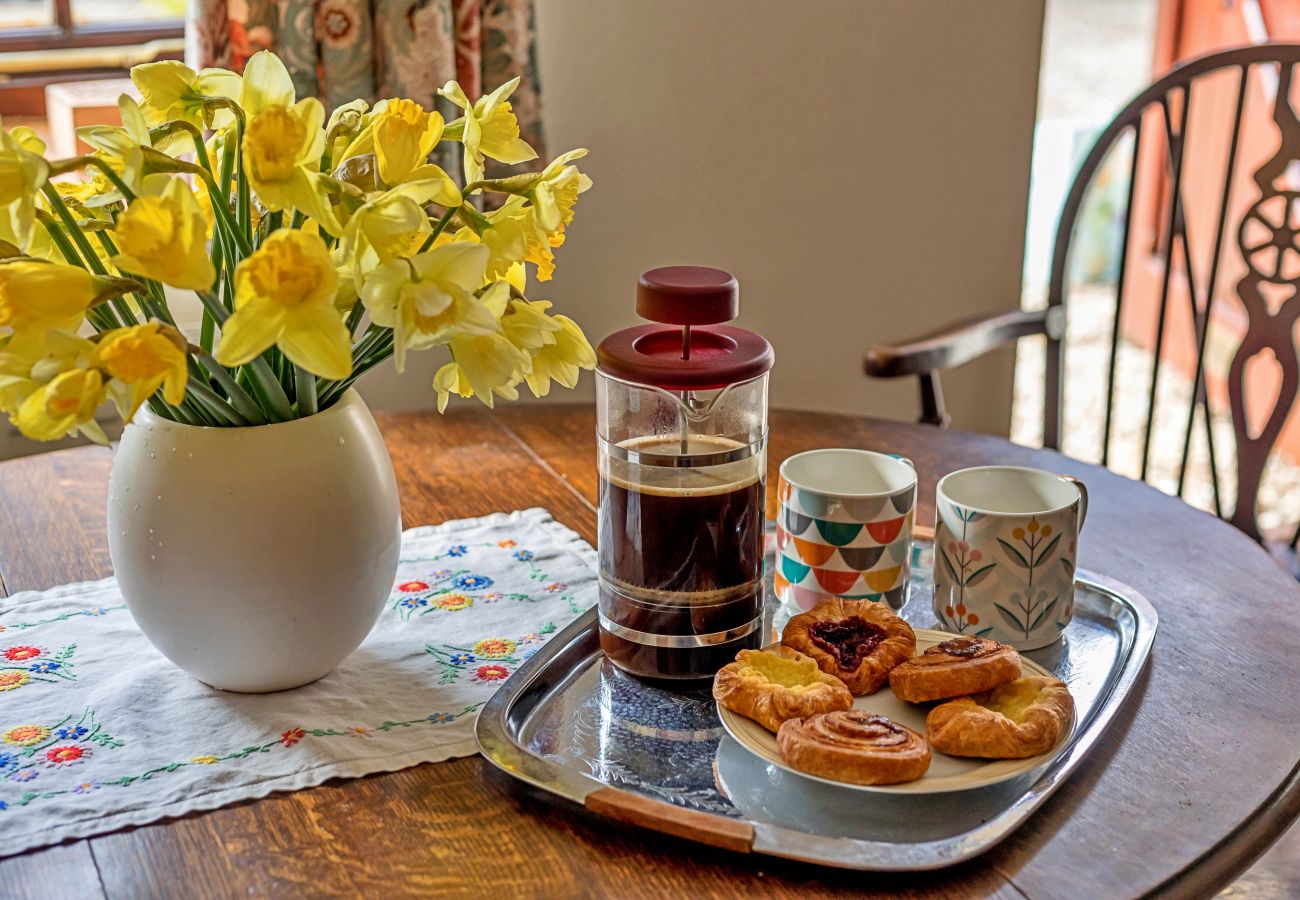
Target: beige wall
[[862, 167]]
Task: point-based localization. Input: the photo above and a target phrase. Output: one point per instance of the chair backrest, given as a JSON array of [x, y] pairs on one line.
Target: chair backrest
[[1209, 247]]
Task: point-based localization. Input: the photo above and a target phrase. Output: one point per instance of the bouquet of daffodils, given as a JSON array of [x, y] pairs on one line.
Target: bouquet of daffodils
[[317, 250]]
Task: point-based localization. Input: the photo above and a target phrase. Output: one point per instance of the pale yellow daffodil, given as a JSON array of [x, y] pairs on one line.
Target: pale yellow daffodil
[[34, 360], [562, 360], [63, 406], [163, 236], [429, 299], [555, 193], [388, 226], [140, 359], [35, 294], [485, 366], [22, 174], [488, 129], [266, 83], [173, 91], [282, 150], [284, 295], [404, 136]]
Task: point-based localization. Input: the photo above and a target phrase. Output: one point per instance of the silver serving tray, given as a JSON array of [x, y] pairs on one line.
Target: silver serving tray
[[570, 723]]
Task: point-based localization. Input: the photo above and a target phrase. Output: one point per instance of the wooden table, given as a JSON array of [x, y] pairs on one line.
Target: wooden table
[[1195, 777]]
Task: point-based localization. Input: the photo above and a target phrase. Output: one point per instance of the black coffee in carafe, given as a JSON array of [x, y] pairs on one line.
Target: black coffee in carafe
[[682, 475]]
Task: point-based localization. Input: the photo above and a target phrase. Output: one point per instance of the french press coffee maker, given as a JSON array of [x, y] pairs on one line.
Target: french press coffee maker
[[682, 432]]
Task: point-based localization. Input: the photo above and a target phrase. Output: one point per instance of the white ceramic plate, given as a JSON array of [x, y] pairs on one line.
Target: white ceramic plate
[[946, 773]]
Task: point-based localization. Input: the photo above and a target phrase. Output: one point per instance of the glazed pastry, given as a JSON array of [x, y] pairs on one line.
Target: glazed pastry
[[772, 685], [1013, 721], [854, 746], [955, 668], [857, 641]]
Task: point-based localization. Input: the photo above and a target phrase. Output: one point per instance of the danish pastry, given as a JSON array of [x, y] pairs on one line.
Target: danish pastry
[[857, 641], [772, 685], [955, 668], [1023, 718], [854, 746]]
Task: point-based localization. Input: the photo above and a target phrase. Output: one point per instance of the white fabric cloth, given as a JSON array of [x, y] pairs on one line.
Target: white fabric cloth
[[99, 731]]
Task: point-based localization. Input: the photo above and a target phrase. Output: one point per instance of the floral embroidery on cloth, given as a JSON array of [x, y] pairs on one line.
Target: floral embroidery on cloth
[[98, 731]]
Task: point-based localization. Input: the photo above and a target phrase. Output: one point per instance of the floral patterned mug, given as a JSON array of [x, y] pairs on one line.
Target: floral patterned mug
[[1006, 540]]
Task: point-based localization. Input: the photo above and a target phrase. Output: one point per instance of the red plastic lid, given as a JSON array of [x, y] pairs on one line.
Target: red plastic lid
[[701, 354]]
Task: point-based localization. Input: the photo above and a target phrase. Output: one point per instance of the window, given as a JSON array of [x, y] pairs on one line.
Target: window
[[45, 41]]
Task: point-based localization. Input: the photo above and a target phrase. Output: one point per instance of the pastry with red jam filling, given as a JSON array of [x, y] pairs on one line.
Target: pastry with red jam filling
[[956, 668], [857, 641]]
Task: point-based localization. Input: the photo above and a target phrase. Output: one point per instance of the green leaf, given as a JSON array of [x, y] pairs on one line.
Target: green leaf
[[1014, 555], [1010, 617], [1047, 551], [984, 631], [1046, 609], [952, 570], [980, 574]]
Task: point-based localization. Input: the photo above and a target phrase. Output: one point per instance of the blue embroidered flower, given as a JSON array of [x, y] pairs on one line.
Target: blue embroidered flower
[[439, 574], [523, 555], [461, 659], [24, 775], [72, 732], [3, 805], [528, 654], [8, 760], [441, 718], [86, 787], [44, 666], [458, 550], [414, 602], [471, 582]]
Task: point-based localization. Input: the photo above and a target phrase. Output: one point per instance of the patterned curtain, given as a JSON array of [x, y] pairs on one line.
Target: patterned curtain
[[339, 50]]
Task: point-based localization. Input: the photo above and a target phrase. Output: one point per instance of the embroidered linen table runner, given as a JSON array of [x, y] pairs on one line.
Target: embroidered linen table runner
[[99, 731]]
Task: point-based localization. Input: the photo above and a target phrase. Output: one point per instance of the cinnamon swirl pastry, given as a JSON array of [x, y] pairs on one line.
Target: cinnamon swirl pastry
[[955, 668], [772, 685], [854, 746], [1013, 721], [857, 641]]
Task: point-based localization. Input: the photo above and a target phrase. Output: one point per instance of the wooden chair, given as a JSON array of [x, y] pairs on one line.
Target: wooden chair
[[1267, 237]]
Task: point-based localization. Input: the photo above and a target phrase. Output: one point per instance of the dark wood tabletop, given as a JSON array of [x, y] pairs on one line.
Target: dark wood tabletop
[[1198, 773]]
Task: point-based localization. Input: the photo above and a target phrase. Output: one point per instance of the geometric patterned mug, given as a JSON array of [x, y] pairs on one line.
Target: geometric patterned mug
[[844, 528], [1006, 541]]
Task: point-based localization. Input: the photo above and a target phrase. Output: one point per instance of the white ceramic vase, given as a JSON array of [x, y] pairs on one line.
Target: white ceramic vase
[[255, 559]]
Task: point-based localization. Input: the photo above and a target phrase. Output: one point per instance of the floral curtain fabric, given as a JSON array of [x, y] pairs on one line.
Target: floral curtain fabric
[[338, 50]]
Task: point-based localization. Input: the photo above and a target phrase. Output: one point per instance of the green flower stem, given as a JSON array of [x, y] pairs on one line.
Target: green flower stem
[[305, 391], [354, 317], [101, 317], [245, 404], [95, 162], [88, 255], [210, 402], [438, 229], [275, 403]]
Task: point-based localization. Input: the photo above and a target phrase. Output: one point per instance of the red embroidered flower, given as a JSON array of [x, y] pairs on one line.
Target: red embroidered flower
[[22, 652], [411, 587], [490, 673], [292, 736], [57, 756]]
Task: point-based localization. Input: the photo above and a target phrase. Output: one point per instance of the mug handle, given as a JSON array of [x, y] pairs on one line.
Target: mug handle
[[1083, 498]]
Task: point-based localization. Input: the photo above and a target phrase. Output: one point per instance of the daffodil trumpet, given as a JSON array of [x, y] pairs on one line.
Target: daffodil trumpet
[[318, 247]]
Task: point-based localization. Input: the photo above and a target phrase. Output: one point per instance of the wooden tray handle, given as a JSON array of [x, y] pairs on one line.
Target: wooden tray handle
[[684, 823]]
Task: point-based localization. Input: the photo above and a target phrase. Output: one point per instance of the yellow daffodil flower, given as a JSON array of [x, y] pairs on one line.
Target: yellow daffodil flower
[[484, 366], [390, 225], [284, 295], [28, 363], [555, 193], [140, 359], [561, 360], [163, 237], [172, 90], [22, 174], [488, 129], [63, 406], [35, 294], [429, 299], [404, 136], [282, 150], [266, 83]]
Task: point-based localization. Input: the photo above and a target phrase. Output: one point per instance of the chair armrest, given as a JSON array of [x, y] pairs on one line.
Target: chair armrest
[[962, 342]]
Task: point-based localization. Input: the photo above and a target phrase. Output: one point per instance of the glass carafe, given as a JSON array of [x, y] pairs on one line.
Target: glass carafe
[[682, 432]]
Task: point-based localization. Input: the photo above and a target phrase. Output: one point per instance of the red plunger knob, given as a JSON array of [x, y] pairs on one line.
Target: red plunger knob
[[688, 295]]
